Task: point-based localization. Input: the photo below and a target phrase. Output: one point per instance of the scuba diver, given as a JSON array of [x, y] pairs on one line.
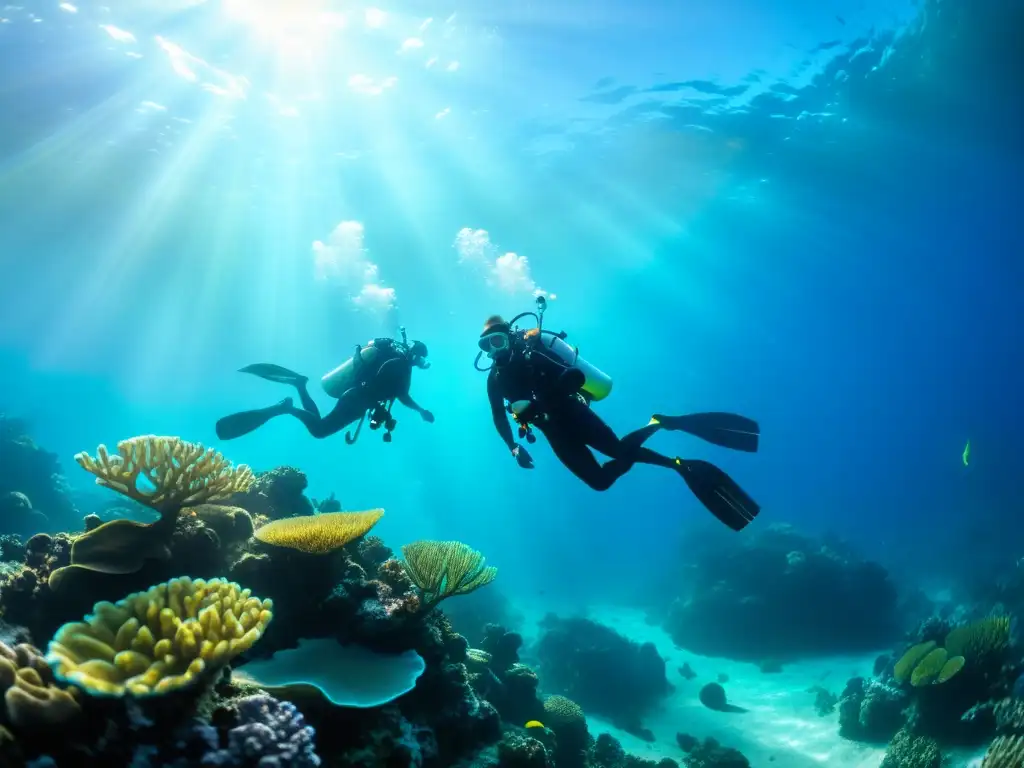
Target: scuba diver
[[544, 383], [367, 383]]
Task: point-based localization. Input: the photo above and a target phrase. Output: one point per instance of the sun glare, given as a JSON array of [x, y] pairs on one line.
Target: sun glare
[[296, 26]]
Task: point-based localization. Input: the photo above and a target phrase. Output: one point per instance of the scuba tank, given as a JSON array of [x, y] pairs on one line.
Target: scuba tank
[[597, 384], [345, 376]]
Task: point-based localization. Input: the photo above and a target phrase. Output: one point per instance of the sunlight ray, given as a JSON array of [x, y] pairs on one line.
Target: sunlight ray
[[125, 257]]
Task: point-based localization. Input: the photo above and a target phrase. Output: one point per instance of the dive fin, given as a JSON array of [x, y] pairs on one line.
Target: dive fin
[[718, 492], [238, 424], [728, 430], [272, 372]]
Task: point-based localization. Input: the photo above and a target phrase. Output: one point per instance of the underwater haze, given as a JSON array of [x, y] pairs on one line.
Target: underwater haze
[[804, 212]]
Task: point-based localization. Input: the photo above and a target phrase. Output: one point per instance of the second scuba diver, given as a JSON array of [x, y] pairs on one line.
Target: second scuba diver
[[543, 383], [367, 383]]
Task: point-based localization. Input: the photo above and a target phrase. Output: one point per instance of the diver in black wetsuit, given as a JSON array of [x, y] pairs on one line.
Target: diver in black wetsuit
[[548, 390], [367, 383]]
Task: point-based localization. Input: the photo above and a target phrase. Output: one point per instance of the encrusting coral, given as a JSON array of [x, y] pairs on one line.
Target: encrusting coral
[[926, 664], [443, 569], [31, 700], [231, 524], [318, 534], [159, 640], [180, 473]]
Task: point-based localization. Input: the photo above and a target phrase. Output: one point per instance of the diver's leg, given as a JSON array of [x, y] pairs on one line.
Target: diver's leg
[[307, 402], [578, 459], [238, 424], [348, 410], [629, 449]]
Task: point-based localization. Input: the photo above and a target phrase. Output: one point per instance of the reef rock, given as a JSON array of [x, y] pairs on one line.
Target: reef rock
[[780, 595], [601, 670]]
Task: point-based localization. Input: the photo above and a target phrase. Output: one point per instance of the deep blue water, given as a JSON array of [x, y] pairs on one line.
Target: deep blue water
[[807, 213]]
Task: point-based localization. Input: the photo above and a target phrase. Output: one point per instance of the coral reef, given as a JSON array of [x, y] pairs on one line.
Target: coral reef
[[32, 483], [516, 750], [345, 675], [318, 534], [606, 752], [155, 641], [909, 751], [277, 494], [780, 595], [940, 692], [709, 753], [443, 569], [566, 719], [870, 710], [498, 676], [269, 733], [25, 595], [177, 474], [330, 504], [145, 680], [1007, 749], [18, 517], [471, 614], [31, 700], [602, 670]]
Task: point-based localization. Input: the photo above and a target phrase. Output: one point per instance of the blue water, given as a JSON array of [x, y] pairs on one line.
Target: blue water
[[803, 212]]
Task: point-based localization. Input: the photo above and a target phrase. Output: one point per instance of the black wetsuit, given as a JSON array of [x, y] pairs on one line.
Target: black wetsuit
[[387, 378], [571, 427]]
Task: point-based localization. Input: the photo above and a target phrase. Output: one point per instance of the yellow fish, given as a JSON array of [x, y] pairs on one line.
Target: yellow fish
[[967, 453], [534, 724]]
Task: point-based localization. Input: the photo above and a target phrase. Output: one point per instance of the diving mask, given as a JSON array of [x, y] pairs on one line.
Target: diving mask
[[493, 343], [420, 362]]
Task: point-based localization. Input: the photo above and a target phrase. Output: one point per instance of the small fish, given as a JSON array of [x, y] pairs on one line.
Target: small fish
[[534, 724], [967, 453]]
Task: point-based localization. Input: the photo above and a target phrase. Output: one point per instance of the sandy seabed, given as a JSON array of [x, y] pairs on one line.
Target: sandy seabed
[[781, 728]]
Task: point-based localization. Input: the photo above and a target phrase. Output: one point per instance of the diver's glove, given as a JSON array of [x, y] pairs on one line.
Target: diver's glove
[[522, 457], [427, 416]]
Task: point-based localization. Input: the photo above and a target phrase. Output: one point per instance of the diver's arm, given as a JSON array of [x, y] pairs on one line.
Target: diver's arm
[[498, 412], [408, 402]]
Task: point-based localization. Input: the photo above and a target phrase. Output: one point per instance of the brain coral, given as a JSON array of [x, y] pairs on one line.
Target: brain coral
[[156, 641]]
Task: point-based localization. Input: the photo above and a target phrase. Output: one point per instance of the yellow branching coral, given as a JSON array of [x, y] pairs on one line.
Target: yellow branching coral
[[179, 473], [30, 698], [442, 569], [318, 534], [980, 638], [159, 640]]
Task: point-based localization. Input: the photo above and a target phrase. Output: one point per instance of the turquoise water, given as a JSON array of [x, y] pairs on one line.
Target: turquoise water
[[803, 213]]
